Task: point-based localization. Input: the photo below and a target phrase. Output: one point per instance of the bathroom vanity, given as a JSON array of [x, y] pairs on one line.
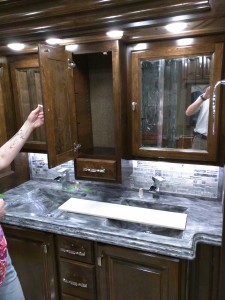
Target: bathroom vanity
[[86, 257]]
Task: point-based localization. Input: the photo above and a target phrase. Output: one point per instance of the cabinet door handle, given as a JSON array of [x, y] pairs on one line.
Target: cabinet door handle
[[71, 64], [99, 260], [45, 248], [75, 283], [77, 253], [76, 147], [134, 104], [94, 170]]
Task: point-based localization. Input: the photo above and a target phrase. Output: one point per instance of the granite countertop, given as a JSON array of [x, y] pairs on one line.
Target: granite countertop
[[34, 204]]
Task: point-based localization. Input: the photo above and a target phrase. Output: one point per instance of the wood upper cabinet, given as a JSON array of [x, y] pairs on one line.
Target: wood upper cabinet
[[98, 93], [135, 275], [81, 93], [197, 68], [165, 80], [82, 106], [27, 92], [18, 171]]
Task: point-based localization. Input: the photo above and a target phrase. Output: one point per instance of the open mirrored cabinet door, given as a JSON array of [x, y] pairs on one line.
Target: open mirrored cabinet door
[[165, 81]]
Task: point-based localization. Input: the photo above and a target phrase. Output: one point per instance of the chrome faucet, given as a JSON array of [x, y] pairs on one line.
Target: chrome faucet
[[154, 188], [64, 178]]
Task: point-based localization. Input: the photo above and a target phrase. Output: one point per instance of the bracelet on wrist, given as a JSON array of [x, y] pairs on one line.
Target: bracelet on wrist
[[202, 97]]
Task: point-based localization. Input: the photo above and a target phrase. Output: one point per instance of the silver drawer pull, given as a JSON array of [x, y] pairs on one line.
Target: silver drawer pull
[[94, 170], [79, 253], [75, 283]]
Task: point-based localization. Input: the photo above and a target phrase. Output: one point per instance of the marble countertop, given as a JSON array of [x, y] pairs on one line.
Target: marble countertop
[[34, 204]]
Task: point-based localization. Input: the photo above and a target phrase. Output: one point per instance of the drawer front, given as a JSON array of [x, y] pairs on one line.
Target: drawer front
[[68, 297], [75, 249], [96, 168], [77, 279]]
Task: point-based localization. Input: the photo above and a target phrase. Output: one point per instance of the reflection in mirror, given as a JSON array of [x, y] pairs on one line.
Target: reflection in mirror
[[168, 87]]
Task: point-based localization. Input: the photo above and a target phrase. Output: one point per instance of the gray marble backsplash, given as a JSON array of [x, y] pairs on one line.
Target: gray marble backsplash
[[185, 179]]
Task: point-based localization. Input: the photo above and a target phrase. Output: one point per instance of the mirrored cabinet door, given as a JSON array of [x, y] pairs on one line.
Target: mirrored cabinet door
[[167, 122]]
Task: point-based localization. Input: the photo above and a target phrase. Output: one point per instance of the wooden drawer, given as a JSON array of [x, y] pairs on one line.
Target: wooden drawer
[[75, 249], [95, 169], [68, 297], [77, 279]]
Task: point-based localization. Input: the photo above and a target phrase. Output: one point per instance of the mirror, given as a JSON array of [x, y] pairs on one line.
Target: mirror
[[166, 79], [168, 87]]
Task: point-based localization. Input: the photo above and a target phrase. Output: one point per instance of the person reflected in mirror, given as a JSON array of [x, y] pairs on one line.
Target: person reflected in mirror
[[10, 288], [200, 106]]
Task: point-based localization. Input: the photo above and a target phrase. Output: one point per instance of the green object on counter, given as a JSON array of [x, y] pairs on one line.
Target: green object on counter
[[71, 188], [80, 189], [2, 195]]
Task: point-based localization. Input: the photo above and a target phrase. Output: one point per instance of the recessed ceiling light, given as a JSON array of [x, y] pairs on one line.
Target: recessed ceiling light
[[71, 48], [141, 46], [176, 27], [16, 46], [115, 33], [185, 42], [53, 41]]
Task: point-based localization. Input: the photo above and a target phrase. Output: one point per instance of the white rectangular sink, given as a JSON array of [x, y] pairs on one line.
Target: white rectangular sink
[[140, 215]]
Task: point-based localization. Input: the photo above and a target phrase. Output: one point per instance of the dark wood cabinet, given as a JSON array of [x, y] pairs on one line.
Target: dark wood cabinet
[[33, 255], [76, 268], [98, 95], [81, 93], [18, 171], [204, 273], [197, 68], [135, 275], [68, 268], [164, 79], [82, 105], [27, 93]]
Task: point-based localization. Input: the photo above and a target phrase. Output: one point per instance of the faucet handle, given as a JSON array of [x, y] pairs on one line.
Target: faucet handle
[[158, 179], [63, 170]]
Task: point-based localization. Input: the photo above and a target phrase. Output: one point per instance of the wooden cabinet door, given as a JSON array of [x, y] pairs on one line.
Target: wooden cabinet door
[[204, 272], [134, 275], [26, 86], [18, 171], [59, 103], [32, 253]]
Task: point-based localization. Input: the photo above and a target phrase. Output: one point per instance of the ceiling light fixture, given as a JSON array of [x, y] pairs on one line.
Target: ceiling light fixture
[[185, 42], [176, 27], [53, 41], [71, 48], [115, 33], [16, 46]]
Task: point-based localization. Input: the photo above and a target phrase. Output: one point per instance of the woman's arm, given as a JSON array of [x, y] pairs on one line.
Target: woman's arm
[[2, 208], [12, 147]]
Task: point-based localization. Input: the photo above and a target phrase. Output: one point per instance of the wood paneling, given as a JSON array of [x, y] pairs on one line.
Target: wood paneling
[[81, 21]]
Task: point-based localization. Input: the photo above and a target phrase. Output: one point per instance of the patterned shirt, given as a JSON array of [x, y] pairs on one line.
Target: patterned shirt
[[3, 255]]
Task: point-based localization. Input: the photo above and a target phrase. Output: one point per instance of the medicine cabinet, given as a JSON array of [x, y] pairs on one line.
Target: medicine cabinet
[[82, 105], [166, 79]]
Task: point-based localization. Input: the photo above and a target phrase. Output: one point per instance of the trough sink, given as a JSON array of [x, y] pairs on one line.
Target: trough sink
[[40, 202], [148, 229], [161, 215]]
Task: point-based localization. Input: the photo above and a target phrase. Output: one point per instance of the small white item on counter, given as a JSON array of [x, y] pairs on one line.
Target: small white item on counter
[[141, 193]]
